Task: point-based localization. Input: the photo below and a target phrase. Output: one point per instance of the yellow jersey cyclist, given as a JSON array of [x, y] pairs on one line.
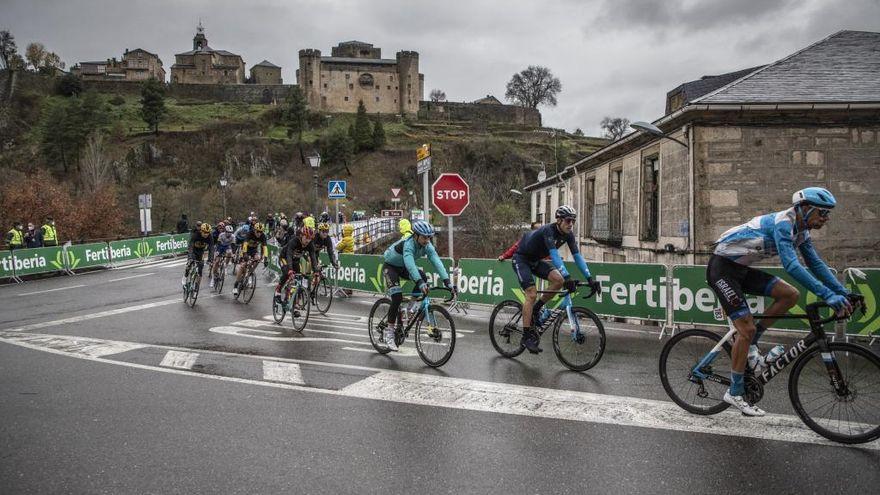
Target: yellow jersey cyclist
[[254, 247], [199, 242], [400, 262], [731, 277]]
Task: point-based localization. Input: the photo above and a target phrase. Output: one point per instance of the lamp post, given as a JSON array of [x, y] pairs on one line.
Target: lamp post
[[655, 131], [315, 162], [223, 183]]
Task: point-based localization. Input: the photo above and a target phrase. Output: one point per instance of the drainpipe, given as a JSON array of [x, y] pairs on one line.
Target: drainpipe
[[691, 178]]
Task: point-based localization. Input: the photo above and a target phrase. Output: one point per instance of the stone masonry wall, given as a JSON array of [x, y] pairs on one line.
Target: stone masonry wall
[[506, 114], [244, 93], [744, 171]]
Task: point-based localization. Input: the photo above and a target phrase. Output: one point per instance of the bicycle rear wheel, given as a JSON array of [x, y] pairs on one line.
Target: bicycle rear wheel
[[377, 323], [435, 336], [505, 330], [279, 309], [221, 277], [850, 417], [194, 282], [250, 286], [301, 304], [323, 296], [579, 344], [680, 356]]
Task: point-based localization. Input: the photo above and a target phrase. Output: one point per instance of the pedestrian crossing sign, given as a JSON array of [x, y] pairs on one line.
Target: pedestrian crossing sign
[[336, 189]]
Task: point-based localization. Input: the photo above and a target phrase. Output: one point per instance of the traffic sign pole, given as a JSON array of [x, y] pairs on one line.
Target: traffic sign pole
[[450, 238]]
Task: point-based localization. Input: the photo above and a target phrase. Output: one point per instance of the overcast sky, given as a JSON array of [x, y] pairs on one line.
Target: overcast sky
[[614, 57]]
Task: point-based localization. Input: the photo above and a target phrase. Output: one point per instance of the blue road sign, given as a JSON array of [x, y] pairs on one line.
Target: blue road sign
[[336, 189]]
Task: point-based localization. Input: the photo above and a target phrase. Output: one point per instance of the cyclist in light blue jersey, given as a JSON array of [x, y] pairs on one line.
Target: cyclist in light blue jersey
[[730, 276], [400, 262]]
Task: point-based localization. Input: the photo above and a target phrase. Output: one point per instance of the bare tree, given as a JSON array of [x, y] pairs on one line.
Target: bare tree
[[438, 95], [534, 86], [94, 163], [615, 127], [35, 54]]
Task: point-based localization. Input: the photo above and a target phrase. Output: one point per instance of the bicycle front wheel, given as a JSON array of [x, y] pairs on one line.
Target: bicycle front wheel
[[435, 336], [377, 323], [323, 296], [695, 394], [221, 277], [194, 282], [279, 309], [302, 305], [505, 330], [250, 286], [850, 414], [579, 343]]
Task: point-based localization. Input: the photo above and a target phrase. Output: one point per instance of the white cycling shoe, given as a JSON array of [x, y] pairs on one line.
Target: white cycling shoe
[[740, 403], [390, 340]]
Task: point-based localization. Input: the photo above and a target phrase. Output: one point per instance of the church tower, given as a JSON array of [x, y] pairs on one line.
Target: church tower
[[200, 42]]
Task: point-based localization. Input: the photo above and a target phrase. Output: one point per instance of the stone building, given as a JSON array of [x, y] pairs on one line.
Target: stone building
[[136, 65], [265, 72], [355, 72], [809, 119], [205, 65]]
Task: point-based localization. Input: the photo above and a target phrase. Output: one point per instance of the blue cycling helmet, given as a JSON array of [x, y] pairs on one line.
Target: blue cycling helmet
[[814, 196], [424, 228]]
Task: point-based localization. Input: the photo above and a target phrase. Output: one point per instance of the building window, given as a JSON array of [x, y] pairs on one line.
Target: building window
[[377, 99], [391, 78], [310, 82], [350, 86], [324, 100], [650, 198], [589, 202], [348, 76], [346, 98], [389, 87], [325, 85], [616, 203], [377, 86], [409, 102], [395, 88]]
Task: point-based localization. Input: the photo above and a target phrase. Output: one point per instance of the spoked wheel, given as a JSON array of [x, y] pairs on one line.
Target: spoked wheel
[[279, 309], [250, 286], [680, 356], [377, 323], [505, 328], [194, 282], [323, 296], [435, 336], [579, 343], [851, 415], [301, 304], [220, 278]]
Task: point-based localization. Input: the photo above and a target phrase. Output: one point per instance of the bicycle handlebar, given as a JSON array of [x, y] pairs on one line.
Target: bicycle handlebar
[[856, 300], [578, 284]]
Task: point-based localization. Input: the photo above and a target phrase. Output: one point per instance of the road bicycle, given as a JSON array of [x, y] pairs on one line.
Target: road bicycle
[[321, 293], [248, 284], [834, 387], [295, 300], [434, 327], [193, 281], [220, 271], [578, 333]]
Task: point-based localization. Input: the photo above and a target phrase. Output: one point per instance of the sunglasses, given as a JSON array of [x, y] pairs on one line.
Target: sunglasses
[[568, 220], [823, 212]]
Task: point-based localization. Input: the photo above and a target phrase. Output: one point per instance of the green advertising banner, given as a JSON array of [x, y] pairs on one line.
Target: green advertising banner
[[869, 323], [6, 264], [38, 260], [167, 244], [87, 255], [127, 249]]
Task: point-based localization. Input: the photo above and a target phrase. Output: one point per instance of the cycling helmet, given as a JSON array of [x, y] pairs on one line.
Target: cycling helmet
[[424, 228], [566, 211], [205, 228], [324, 226], [307, 232], [229, 229], [221, 225], [814, 196], [258, 227]]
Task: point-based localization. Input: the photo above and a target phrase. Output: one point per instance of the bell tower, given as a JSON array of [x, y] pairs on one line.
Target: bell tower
[[200, 42]]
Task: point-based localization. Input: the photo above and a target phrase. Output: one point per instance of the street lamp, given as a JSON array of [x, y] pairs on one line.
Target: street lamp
[[223, 182], [654, 131], [315, 162]]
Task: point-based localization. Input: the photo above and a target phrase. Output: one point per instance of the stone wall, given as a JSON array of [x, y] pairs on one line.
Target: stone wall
[[472, 112], [244, 93], [745, 171]]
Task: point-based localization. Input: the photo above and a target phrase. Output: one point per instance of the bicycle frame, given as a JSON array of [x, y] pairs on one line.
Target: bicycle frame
[[424, 304], [565, 304]]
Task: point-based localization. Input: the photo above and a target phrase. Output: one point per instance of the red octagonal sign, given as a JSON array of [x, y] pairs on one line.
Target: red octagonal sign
[[450, 194]]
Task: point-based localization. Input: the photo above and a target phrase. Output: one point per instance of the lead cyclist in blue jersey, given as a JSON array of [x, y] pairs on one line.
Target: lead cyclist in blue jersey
[[400, 262], [730, 277], [529, 261]]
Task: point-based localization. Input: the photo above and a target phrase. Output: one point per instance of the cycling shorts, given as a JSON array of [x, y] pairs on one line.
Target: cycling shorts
[[221, 249], [731, 282], [526, 270], [393, 274]]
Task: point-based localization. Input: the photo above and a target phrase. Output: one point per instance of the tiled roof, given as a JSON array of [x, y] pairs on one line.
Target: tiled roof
[[692, 90], [142, 50], [843, 67]]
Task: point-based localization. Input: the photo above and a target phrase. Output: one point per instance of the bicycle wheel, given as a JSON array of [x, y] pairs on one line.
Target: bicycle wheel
[[221, 277], [677, 360], [279, 309], [852, 417], [250, 286], [194, 282], [323, 296], [377, 323], [505, 330], [301, 304], [435, 336], [579, 344]]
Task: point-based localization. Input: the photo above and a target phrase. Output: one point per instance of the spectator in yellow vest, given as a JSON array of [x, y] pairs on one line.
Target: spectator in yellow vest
[[346, 245], [15, 237], [405, 228], [49, 234]]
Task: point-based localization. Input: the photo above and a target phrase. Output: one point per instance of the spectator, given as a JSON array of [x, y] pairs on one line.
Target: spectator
[[346, 245], [340, 217], [512, 249], [15, 237], [32, 238], [405, 228], [48, 234], [182, 224], [270, 222]]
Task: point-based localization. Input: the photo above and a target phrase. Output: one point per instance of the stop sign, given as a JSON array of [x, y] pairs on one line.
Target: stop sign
[[450, 194]]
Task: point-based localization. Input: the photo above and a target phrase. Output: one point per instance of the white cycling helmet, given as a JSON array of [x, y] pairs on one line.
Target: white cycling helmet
[[229, 229]]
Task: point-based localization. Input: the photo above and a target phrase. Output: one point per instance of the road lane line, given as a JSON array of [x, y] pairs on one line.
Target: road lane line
[[179, 360], [50, 290], [91, 316], [131, 276], [240, 332], [402, 352], [275, 371]]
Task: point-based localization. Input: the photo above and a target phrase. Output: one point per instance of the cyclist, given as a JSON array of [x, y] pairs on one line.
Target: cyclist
[[298, 220], [324, 241], [199, 241], [400, 262], [730, 276], [529, 261], [223, 246], [506, 255], [241, 234], [250, 248], [292, 253]]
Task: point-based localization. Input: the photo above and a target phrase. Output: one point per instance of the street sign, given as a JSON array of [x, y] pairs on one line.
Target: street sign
[[450, 194], [146, 221], [424, 151], [145, 200], [336, 189], [395, 191], [423, 165], [392, 213], [417, 214], [395, 200]]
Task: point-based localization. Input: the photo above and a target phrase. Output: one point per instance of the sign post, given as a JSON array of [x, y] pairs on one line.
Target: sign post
[[336, 190], [145, 203], [450, 195], [423, 166]]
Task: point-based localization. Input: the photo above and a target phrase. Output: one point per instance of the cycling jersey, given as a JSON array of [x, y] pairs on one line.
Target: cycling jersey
[[294, 250], [774, 234], [545, 241], [241, 233], [199, 243], [224, 241], [252, 244], [327, 243], [405, 252]]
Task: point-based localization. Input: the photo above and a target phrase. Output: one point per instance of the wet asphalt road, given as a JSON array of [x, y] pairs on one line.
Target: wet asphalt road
[[349, 420]]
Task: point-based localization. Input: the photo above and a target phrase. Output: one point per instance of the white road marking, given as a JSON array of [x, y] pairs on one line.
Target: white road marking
[[402, 352], [162, 264], [91, 316], [50, 290], [276, 371], [131, 276], [76, 345], [243, 332], [179, 360]]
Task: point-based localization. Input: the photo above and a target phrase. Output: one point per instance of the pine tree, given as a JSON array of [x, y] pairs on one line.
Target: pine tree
[[296, 114], [378, 134], [152, 103], [363, 133]]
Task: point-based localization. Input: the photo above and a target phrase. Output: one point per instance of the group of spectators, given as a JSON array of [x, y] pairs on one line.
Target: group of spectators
[[19, 238]]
